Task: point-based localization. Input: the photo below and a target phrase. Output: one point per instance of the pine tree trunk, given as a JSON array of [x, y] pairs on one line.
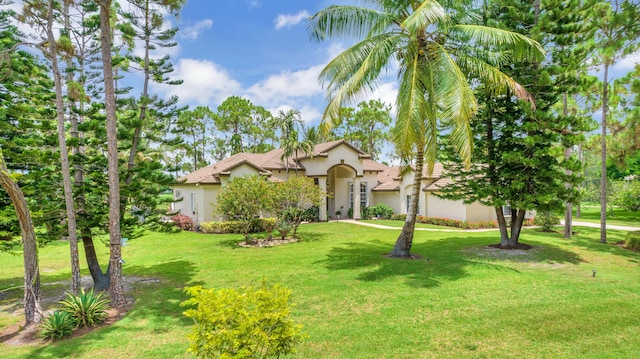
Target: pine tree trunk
[[502, 224], [116, 286], [32, 309], [568, 212], [603, 158], [64, 156], [516, 227], [402, 248]]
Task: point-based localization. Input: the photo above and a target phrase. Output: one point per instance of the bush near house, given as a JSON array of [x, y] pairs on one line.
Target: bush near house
[[448, 222], [183, 222], [257, 225]]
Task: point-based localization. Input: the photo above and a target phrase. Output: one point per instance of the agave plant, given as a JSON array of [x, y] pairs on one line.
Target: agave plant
[[86, 308], [57, 325]]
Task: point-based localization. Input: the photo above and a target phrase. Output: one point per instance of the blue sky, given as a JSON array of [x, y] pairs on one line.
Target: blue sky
[[258, 49]]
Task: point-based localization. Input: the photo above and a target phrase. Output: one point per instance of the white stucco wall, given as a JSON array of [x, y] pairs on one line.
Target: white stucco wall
[[391, 199], [477, 212], [437, 207], [319, 166]]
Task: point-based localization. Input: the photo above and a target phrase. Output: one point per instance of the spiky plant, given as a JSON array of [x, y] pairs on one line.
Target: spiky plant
[[86, 308], [57, 325]]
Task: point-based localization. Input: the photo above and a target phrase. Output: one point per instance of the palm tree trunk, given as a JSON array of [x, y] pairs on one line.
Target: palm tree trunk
[[32, 309], [402, 248]]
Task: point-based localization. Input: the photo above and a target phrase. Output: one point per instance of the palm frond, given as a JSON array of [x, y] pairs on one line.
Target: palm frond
[[428, 13], [521, 47], [338, 21], [412, 105], [498, 81], [457, 101], [355, 71]]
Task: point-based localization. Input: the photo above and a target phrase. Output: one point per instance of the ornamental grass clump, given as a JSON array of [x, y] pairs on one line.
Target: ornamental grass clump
[[245, 323], [57, 325], [86, 308]]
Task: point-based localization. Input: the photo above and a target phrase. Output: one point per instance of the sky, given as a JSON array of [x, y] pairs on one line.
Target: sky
[[261, 50], [257, 49]]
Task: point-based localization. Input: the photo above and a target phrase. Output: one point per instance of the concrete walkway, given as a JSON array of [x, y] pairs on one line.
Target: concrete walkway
[[575, 224]]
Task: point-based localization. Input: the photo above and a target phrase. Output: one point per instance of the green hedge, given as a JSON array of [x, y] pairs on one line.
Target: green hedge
[[448, 222], [257, 225]]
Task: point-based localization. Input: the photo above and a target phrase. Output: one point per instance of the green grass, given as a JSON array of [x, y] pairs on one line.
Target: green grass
[[620, 217], [464, 301]]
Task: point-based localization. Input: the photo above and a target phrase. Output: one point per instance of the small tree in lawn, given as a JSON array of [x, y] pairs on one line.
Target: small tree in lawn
[[244, 198], [293, 198]]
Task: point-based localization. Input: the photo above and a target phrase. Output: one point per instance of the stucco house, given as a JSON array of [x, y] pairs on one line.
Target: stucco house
[[338, 168]]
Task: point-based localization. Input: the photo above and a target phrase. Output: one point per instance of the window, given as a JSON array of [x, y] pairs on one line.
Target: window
[[193, 202], [178, 194], [363, 195], [506, 210]]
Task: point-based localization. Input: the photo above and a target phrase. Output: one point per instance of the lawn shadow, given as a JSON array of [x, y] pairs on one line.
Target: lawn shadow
[[443, 259], [156, 309], [589, 238]]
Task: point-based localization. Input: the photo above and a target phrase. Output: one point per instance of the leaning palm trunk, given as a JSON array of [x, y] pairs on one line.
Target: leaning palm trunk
[[402, 248]]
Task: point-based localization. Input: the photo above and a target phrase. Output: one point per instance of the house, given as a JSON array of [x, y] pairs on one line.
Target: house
[[338, 168]]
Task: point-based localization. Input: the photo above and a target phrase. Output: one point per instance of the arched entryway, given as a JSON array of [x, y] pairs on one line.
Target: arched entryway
[[341, 180]]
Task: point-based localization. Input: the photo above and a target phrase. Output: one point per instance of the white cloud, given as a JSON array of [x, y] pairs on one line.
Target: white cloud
[[628, 63], [205, 83], [289, 20], [193, 32], [255, 3], [286, 85]]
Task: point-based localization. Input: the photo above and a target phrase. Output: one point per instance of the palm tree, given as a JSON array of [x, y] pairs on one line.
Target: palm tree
[[430, 48], [287, 121]]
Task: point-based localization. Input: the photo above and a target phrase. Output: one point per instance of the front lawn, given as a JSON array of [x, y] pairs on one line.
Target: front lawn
[[621, 217], [461, 300]]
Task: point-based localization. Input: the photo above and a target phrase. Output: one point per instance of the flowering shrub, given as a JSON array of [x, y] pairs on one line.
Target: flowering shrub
[[183, 222]]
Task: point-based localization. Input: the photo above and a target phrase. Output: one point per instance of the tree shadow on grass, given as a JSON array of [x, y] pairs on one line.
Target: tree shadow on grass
[[443, 260], [589, 239], [156, 310]]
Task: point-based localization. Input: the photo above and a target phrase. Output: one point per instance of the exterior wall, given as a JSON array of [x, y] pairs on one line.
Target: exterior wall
[[437, 207], [243, 170], [477, 212], [318, 166], [391, 199]]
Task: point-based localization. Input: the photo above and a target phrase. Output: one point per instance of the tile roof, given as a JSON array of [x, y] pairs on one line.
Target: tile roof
[[388, 176]]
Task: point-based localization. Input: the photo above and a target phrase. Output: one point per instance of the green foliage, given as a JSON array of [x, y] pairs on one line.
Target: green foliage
[[627, 194], [283, 228], [245, 198], [632, 240], [381, 211], [86, 308], [57, 325], [245, 323], [257, 225], [293, 198], [546, 220]]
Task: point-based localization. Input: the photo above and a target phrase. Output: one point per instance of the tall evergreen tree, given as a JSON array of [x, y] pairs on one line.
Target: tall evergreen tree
[[618, 30]]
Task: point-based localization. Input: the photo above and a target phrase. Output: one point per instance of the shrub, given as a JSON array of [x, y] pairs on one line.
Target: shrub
[[399, 217], [283, 227], [257, 225], [350, 213], [183, 222], [86, 308], [57, 325], [546, 220], [381, 210], [246, 323], [633, 240]]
